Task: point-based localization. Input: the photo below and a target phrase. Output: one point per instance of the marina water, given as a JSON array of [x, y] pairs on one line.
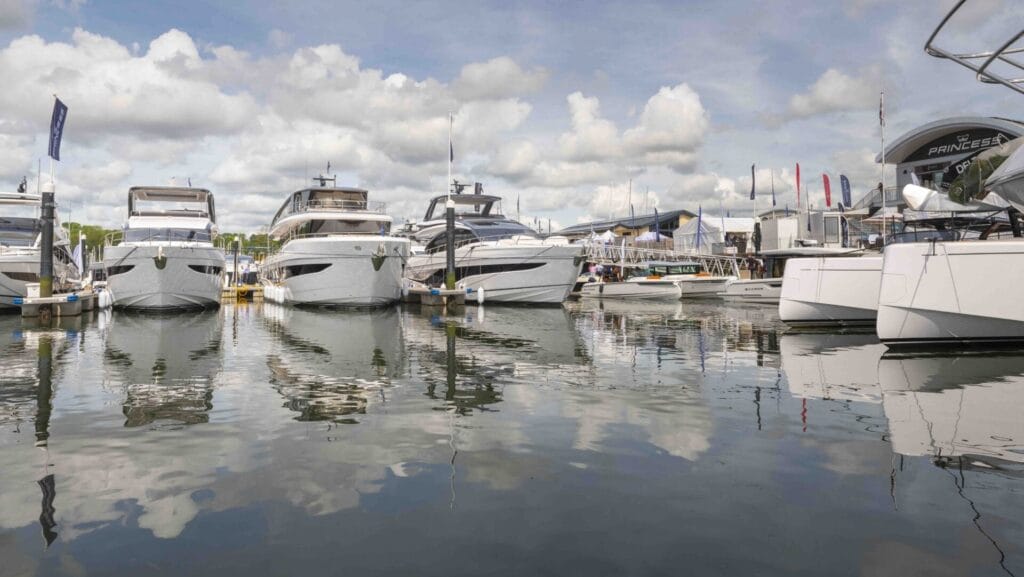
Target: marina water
[[591, 439]]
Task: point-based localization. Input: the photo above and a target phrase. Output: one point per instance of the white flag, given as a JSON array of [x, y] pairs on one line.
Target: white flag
[[77, 256]]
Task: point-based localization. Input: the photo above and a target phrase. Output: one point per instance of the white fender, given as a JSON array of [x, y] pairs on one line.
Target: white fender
[[480, 296]]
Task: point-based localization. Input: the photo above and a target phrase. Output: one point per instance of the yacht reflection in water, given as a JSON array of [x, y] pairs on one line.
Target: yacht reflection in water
[[964, 409], [832, 366], [466, 359], [166, 364], [332, 365]]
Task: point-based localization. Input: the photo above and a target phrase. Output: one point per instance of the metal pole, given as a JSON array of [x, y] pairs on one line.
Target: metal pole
[[235, 276], [46, 246], [449, 250]]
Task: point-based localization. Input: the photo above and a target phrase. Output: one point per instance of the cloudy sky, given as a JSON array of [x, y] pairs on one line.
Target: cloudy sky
[[560, 104]]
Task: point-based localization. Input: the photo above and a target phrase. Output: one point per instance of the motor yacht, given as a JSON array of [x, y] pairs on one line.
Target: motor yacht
[[164, 258], [337, 250], [831, 290], [952, 288], [506, 259], [693, 280], [641, 283], [20, 237], [765, 287]]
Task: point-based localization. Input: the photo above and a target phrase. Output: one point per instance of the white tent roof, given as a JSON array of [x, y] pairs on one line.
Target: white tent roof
[[710, 224]]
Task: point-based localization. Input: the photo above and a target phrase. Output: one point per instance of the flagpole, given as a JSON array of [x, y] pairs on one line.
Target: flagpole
[[451, 153], [881, 121]]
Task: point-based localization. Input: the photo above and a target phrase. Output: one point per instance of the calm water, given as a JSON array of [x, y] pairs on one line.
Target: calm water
[[615, 440]]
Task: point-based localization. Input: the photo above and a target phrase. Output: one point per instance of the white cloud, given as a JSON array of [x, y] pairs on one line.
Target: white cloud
[[279, 39], [671, 128], [497, 78], [835, 91], [592, 137]]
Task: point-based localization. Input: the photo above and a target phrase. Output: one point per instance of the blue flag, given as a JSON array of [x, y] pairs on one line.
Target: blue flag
[[700, 213], [844, 183], [60, 114], [657, 226], [752, 181], [773, 188]]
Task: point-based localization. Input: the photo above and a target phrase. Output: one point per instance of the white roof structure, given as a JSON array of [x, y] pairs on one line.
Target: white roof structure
[[712, 231]]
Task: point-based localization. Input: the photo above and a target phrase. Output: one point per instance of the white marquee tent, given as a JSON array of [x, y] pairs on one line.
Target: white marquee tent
[[712, 231]]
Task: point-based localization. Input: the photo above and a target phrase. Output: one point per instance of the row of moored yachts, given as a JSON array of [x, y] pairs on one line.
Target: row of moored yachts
[[337, 249]]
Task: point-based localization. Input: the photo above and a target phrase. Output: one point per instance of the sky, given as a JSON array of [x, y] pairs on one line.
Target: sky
[[574, 110]]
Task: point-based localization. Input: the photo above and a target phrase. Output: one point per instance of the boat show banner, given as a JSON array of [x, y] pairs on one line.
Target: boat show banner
[[828, 189], [844, 184], [60, 114]]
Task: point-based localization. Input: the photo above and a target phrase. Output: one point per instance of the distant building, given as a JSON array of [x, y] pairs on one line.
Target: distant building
[[631, 227]]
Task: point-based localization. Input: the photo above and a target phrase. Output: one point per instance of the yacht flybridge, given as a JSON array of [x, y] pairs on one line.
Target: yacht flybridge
[[505, 258], [20, 237], [337, 250], [165, 258]]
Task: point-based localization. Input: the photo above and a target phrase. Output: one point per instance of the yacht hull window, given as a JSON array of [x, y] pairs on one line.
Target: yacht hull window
[[119, 269], [301, 269], [466, 271], [166, 234], [205, 269]]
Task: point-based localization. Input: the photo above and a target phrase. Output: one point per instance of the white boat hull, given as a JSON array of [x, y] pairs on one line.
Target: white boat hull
[[189, 279], [633, 290], [18, 269], [703, 287], [546, 275], [956, 292], [830, 290], [336, 271], [761, 291]]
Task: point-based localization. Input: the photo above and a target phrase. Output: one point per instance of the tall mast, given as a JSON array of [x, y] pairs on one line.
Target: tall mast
[[881, 122]]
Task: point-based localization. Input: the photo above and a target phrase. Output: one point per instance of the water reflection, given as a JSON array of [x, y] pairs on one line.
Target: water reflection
[[956, 406], [832, 366], [166, 366], [331, 365]]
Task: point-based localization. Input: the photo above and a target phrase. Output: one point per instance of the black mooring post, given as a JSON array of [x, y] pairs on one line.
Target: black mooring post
[[46, 246], [449, 216]]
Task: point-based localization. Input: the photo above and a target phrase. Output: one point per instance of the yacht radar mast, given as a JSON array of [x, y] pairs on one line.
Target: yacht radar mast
[[1006, 56]]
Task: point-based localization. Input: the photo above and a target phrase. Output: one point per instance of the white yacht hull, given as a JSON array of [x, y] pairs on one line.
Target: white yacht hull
[[547, 272], [830, 290], [661, 290], [336, 271], [761, 291], [19, 268], [956, 292], [703, 287], [189, 279]]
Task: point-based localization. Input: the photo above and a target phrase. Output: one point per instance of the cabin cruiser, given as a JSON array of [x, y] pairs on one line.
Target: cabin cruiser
[[20, 237], [337, 250], [766, 287], [831, 290], [505, 258], [641, 283], [953, 288], [165, 259], [693, 280]]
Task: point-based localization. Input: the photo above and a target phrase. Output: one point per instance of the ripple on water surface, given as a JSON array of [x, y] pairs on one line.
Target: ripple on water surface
[[597, 438]]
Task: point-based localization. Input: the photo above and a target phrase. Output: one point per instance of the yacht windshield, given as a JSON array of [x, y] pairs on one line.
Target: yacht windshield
[[18, 231], [166, 234], [682, 268], [345, 227]]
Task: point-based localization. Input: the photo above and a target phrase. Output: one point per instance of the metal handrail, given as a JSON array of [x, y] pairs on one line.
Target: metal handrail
[[611, 254], [967, 59]]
